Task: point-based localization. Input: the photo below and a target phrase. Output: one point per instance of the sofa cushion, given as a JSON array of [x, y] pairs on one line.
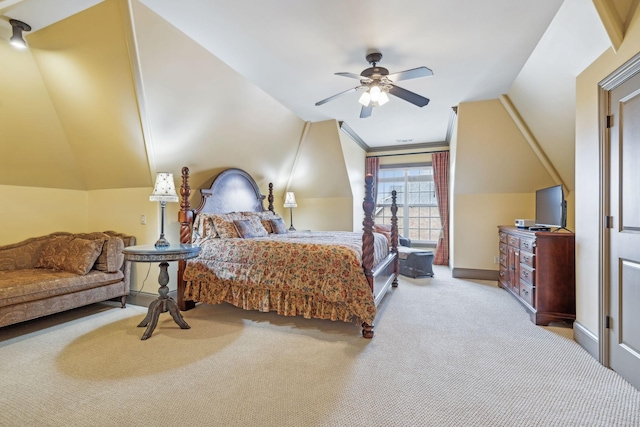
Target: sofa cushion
[[111, 256], [20, 286], [72, 254]]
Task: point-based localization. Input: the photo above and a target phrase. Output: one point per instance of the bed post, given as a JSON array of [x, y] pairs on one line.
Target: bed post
[[368, 205], [270, 198], [185, 217], [394, 238]]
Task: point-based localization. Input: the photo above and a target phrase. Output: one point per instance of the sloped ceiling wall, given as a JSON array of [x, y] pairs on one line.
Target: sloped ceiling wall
[[84, 64], [544, 92], [204, 115], [70, 112]]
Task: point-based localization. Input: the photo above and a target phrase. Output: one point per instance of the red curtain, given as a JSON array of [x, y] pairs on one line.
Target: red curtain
[[371, 167], [440, 163]]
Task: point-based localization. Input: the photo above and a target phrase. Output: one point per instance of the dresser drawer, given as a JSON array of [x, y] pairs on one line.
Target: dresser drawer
[[503, 259], [502, 274], [527, 244], [503, 248], [513, 241], [526, 258], [503, 237], [526, 293], [527, 273]]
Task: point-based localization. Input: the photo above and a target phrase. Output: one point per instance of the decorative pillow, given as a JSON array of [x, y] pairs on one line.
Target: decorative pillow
[[203, 227], [223, 223], [265, 218], [383, 229], [111, 257], [278, 226], [248, 228], [71, 254]]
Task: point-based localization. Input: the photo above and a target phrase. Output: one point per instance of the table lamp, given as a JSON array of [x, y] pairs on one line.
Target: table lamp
[[163, 192], [290, 202]]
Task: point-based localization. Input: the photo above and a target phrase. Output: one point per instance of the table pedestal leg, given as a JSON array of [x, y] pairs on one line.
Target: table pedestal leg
[[163, 304]]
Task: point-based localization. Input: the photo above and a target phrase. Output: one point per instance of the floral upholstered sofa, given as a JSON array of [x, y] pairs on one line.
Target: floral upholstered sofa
[[60, 271]]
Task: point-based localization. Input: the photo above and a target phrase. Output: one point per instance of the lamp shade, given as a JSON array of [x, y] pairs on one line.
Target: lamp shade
[[164, 190], [290, 200]]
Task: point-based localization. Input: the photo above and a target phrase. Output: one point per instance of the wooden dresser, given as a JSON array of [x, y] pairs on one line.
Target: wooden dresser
[[538, 268]]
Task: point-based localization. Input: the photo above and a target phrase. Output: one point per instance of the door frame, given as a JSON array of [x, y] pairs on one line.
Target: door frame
[[615, 79]]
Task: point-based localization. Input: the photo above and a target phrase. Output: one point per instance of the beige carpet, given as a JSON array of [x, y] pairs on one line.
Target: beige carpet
[[447, 352]]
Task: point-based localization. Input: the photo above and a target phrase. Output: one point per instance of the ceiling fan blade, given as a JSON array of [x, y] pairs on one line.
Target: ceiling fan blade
[[414, 73], [366, 111], [324, 101], [353, 76], [411, 97]]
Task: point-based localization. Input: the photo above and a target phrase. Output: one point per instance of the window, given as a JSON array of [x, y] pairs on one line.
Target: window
[[418, 216]]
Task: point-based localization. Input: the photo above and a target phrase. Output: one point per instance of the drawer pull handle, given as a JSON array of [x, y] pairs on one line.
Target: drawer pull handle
[[525, 292], [525, 274], [501, 273]]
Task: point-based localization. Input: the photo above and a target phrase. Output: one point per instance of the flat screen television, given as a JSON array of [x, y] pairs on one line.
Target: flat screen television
[[551, 208]]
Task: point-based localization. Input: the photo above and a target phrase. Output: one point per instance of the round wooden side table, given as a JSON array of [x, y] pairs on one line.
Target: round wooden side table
[[164, 303]]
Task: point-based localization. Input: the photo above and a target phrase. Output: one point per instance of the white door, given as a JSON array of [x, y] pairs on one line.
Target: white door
[[624, 231]]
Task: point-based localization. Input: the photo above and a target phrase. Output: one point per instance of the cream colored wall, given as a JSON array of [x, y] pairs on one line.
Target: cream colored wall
[[495, 177], [587, 167], [354, 157], [321, 182], [476, 218], [30, 212], [33, 156], [204, 115], [84, 63], [120, 210]]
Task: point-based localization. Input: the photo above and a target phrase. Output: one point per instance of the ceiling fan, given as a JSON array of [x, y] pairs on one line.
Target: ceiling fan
[[377, 82]]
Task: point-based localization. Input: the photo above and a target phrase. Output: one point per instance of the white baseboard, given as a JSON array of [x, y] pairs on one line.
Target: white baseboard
[[587, 339]]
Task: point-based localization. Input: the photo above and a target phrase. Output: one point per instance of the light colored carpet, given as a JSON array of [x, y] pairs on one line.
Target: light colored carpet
[[446, 352]]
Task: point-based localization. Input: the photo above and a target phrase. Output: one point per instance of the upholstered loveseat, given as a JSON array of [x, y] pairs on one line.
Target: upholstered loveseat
[[60, 271]]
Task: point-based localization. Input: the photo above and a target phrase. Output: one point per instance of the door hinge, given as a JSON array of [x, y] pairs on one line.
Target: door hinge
[[608, 221], [609, 121], [607, 322]]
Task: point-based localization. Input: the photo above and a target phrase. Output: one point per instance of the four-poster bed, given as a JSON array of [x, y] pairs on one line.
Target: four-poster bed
[[325, 275]]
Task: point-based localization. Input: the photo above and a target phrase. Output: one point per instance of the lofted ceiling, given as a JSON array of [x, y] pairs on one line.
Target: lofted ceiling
[[291, 50]]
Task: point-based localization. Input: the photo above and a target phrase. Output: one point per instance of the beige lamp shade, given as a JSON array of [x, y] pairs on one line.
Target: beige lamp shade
[[290, 200], [164, 190]]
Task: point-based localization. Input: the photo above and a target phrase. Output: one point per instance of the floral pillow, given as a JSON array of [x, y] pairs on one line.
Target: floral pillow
[[203, 227], [250, 228], [224, 226], [67, 253]]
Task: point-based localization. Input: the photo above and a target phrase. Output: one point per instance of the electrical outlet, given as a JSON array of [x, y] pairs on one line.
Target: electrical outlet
[[143, 219], [496, 260]]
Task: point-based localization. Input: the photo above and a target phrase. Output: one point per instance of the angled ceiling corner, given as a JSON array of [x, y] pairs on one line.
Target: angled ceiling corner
[[616, 17]]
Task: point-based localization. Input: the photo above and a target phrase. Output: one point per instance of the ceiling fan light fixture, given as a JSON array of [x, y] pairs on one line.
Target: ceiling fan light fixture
[[375, 93], [16, 38], [365, 99], [383, 98]]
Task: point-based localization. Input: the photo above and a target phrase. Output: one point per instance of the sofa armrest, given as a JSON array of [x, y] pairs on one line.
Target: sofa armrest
[[404, 241]]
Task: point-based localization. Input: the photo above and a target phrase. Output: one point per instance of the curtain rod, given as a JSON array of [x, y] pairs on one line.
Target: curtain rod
[[409, 154]]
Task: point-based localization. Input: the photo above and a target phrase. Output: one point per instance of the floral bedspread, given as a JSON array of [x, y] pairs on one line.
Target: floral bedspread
[[312, 274]]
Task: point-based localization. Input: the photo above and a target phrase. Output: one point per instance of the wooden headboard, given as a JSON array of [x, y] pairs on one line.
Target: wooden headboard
[[233, 190]]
